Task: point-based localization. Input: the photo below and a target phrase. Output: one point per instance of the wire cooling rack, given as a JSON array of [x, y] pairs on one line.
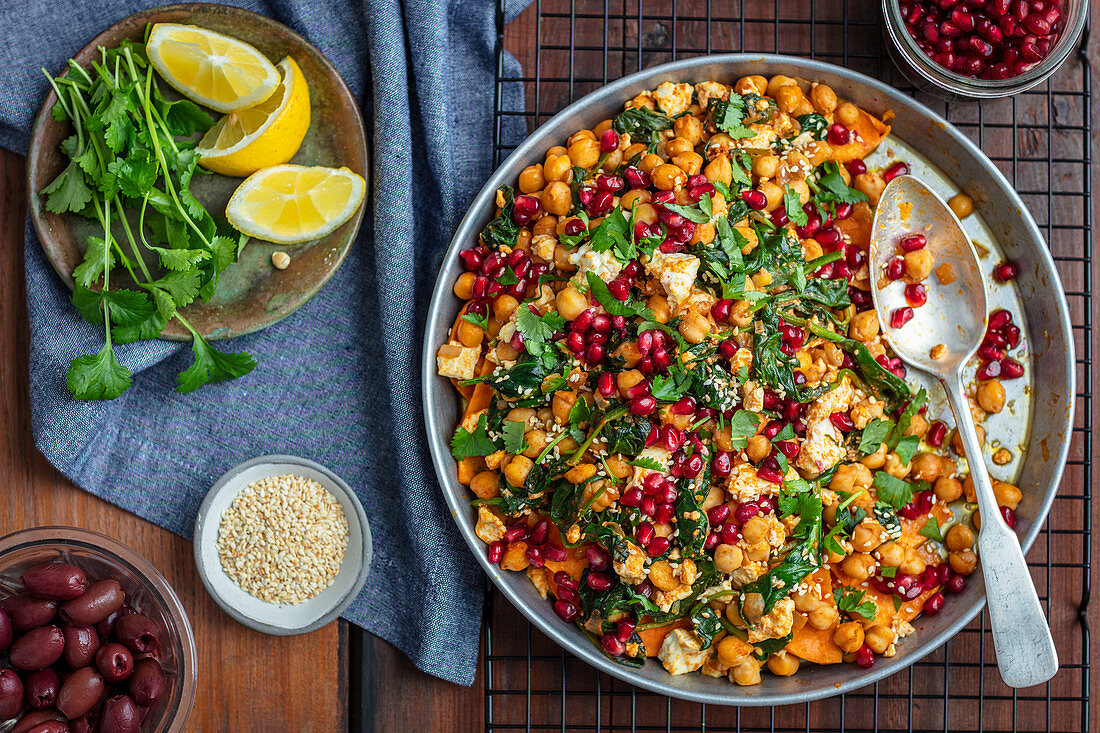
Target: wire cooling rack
[[1040, 140]]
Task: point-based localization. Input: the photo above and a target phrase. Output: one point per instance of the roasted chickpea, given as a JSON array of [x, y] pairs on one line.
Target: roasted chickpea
[[806, 601], [570, 302], [690, 128], [788, 97], [823, 98], [486, 485], [926, 467], [704, 233], [867, 536], [719, 170], [847, 114], [765, 165], [959, 537], [517, 469], [732, 650], [848, 636], [584, 152], [773, 192], [531, 178], [811, 250], [961, 204], [918, 264], [758, 448], [469, 334], [649, 162], [895, 467], [562, 404], [728, 558], [870, 184], [546, 224], [619, 468], [963, 562], [678, 146], [694, 327], [822, 617], [755, 530], [741, 313], [557, 198], [537, 441], [667, 176], [864, 326], [690, 163], [991, 395], [890, 554], [913, 564], [859, 565], [625, 380], [557, 168], [754, 84], [1007, 494], [660, 574], [783, 663], [849, 477], [504, 306], [947, 489], [746, 673], [464, 285], [752, 607], [956, 440], [777, 81], [659, 305], [879, 638]]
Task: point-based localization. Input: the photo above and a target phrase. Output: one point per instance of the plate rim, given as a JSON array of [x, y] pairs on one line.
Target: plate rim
[[443, 463], [44, 119]]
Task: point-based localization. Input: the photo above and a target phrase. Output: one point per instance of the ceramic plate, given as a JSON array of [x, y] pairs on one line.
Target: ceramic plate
[[251, 294]]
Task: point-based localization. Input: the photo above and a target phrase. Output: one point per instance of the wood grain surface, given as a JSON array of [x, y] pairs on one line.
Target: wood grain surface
[[247, 681]]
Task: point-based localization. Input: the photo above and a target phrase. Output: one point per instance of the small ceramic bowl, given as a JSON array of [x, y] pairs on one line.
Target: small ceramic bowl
[[274, 618]]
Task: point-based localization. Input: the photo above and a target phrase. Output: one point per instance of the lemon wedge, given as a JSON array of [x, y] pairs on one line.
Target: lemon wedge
[[217, 71], [289, 204], [267, 134]]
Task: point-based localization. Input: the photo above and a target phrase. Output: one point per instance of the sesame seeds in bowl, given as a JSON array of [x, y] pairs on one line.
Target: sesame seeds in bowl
[[282, 544]]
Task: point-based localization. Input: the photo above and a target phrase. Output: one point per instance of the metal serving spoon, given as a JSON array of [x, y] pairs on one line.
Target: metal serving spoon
[[939, 339]]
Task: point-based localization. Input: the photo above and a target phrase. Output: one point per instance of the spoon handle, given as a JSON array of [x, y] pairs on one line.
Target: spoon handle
[[1025, 650]]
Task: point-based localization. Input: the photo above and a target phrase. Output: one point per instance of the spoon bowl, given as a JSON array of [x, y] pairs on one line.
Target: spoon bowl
[[939, 338]]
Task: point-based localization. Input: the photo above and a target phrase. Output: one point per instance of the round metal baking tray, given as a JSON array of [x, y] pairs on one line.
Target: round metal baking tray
[[1040, 437]]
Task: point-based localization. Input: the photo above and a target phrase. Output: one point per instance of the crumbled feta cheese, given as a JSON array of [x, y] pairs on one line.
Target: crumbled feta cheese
[[762, 142], [604, 264], [708, 90], [457, 361], [752, 394], [631, 570], [745, 485], [543, 246], [489, 527], [537, 576], [673, 99], [680, 652], [777, 624], [823, 447], [676, 272]]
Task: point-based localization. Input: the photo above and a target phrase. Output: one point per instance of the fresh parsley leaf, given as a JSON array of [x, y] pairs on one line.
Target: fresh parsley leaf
[[580, 412], [671, 387], [630, 308], [729, 115], [481, 321], [851, 602], [837, 190], [689, 212], [888, 571], [906, 448], [97, 376], [647, 463], [211, 365], [611, 230], [514, 431], [743, 425], [538, 328], [68, 192], [874, 434], [893, 491], [466, 444], [932, 530], [793, 206]]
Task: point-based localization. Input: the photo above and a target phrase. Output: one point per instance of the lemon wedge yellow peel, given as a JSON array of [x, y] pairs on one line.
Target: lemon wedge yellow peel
[[290, 204], [217, 71], [268, 134]]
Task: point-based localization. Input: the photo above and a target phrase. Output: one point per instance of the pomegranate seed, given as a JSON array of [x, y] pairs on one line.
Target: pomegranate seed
[[599, 581], [810, 228], [838, 134], [779, 216], [601, 203], [1012, 335], [574, 227], [613, 184], [644, 534], [990, 352], [594, 354], [999, 319], [516, 532], [789, 448], [625, 630], [535, 557], [684, 406], [658, 547], [770, 474], [728, 349], [861, 299], [934, 604], [609, 141], [539, 533], [694, 465], [897, 169], [755, 199], [995, 338], [565, 580], [900, 317], [916, 295], [555, 554], [1011, 369], [612, 645], [772, 429], [768, 504], [937, 431], [644, 405], [912, 242], [648, 506], [842, 421], [930, 578], [664, 197], [585, 195], [471, 259], [716, 515], [865, 657], [1037, 24], [566, 611], [597, 557], [606, 385], [989, 370], [856, 166], [495, 552], [1006, 271], [730, 533], [1009, 516], [721, 310], [653, 437], [712, 541], [636, 177], [620, 289], [956, 584], [828, 238], [895, 268], [671, 439]]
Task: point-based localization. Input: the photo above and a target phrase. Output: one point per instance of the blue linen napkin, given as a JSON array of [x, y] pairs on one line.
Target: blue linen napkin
[[337, 381]]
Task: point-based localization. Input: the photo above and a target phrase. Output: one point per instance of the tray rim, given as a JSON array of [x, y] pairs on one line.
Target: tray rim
[[438, 434]]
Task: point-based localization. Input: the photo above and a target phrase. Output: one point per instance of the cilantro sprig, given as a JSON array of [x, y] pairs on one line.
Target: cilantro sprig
[[133, 151]]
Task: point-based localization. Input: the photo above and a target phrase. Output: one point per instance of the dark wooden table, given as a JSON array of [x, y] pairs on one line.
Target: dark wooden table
[[324, 681]]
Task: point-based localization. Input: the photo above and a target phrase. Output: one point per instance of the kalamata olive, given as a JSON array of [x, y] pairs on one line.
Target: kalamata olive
[[148, 683], [107, 626], [120, 715], [38, 648], [80, 693], [50, 726], [81, 644], [35, 718], [27, 612], [55, 581], [7, 631], [102, 598], [11, 694], [137, 632], [40, 687], [86, 723], [115, 662]]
